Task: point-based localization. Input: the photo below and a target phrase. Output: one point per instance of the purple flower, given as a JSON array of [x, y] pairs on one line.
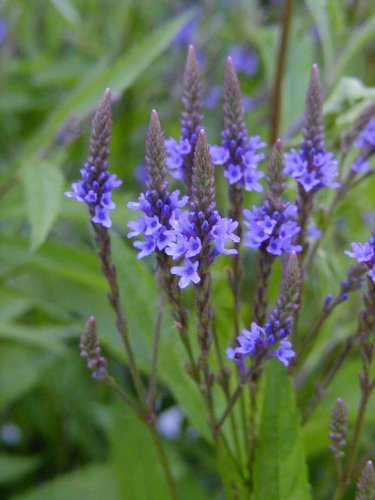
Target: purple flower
[[156, 224], [365, 253], [146, 247], [201, 233], [312, 166], [95, 187], [284, 352], [272, 230], [261, 342], [180, 154], [315, 174], [366, 138], [244, 59], [219, 155], [313, 232], [366, 143], [188, 272], [240, 160], [190, 227]]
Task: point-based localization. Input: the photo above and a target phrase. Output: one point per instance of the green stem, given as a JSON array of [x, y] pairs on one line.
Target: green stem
[[109, 270], [154, 360], [164, 461], [279, 74]]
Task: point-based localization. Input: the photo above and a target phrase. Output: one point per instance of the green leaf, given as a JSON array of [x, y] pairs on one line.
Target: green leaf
[[318, 10], [43, 184], [232, 477], [66, 10], [347, 92], [298, 67], [133, 451], [119, 75], [280, 470], [37, 336], [93, 482], [356, 42], [13, 467], [31, 365]]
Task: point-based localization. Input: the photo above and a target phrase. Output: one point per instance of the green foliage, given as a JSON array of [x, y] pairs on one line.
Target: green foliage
[[280, 470]]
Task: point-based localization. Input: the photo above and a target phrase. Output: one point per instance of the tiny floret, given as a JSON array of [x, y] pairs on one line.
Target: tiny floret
[[365, 253]]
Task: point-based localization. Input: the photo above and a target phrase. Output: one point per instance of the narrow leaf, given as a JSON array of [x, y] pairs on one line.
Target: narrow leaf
[[119, 75], [280, 470], [93, 482]]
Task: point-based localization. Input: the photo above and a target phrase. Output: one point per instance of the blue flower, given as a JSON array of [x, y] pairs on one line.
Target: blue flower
[[365, 253], [188, 272], [155, 225], [261, 342], [244, 59], [95, 189], [272, 230], [240, 159], [314, 173], [366, 143]]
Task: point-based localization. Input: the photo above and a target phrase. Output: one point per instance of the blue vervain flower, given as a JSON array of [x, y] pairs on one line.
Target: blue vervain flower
[[199, 234], [158, 204], [95, 187], [180, 153], [312, 166], [271, 340], [238, 154]]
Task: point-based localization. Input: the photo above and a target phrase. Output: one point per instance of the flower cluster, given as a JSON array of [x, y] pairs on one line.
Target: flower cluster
[[180, 154], [271, 340], [312, 166], [155, 225], [238, 153], [91, 350], [193, 231], [272, 230], [260, 341], [365, 253], [95, 187], [338, 428], [177, 153], [366, 143], [240, 159], [200, 234]]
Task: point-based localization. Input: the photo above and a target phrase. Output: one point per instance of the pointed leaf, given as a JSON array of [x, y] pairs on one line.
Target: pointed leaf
[[43, 184], [280, 470]]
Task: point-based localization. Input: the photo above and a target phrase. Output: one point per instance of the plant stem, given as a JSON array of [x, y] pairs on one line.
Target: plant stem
[[164, 461], [314, 331], [155, 353], [236, 199], [261, 295], [321, 387], [204, 316], [236, 393], [280, 67], [110, 381], [225, 386], [179, 314], [104, 251]]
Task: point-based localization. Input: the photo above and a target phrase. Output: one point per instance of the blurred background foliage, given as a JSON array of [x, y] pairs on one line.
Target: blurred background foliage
[[62, 435]]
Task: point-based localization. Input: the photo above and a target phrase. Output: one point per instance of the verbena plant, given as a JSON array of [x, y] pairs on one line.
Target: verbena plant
[[246, 377]]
